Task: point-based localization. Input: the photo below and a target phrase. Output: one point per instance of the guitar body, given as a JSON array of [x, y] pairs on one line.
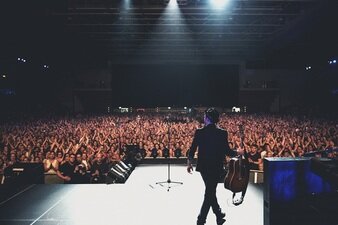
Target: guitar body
[[237, 177]]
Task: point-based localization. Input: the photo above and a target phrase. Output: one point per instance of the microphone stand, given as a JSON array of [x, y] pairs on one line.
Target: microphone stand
[[169, 181]]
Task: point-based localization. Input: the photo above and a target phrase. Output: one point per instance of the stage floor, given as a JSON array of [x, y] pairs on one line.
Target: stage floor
[[140, 201]]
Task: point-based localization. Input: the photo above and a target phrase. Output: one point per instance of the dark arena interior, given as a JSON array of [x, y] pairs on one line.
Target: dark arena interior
[[106, 106]]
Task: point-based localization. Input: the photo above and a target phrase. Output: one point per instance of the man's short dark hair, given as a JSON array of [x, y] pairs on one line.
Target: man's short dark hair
[[212, 114]]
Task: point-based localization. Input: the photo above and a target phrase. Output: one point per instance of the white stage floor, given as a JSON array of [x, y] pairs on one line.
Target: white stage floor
[[137, 202]]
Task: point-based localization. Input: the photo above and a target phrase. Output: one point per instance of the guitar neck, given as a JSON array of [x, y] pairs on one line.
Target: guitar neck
[[241, 131]]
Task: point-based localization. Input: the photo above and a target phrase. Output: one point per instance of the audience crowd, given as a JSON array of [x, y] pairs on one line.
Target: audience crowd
[[90, 144]]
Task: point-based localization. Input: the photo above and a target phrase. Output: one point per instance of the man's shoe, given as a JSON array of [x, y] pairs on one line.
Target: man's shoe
[[220, 215], [220, 221], [200, 222]]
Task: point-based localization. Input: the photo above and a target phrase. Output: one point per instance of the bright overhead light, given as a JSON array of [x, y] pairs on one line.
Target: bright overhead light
[[219, 4], [172, 4]]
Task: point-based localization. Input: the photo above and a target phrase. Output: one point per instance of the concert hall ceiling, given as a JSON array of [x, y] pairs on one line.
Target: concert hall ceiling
[[194, 30]]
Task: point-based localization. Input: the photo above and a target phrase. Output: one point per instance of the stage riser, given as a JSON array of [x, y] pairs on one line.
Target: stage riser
[[161, 160]]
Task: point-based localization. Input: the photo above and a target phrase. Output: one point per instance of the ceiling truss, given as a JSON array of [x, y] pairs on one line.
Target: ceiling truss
[[146, 28]]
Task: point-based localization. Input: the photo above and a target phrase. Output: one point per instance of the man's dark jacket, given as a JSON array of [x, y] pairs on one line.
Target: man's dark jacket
[[213, 146]]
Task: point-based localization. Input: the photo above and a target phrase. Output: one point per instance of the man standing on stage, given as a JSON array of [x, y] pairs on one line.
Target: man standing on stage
[[212, 143]]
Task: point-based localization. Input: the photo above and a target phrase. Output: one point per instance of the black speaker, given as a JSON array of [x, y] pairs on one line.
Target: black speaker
[[24, 173], [133, 155], [125, 166], [121, 170], [115, 176]]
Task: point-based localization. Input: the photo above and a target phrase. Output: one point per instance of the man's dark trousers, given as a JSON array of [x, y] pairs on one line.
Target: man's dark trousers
[[210, 200]]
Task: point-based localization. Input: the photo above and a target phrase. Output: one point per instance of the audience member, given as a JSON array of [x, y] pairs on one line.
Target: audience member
[[67, 170]]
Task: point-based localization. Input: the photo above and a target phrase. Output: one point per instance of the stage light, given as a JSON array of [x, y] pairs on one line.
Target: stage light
[[173, 4], [4, 76], [308, 68], [219, 4], [334, 61], [21, 59], [46, 66], [236, 109], [185, 107], [169, 107]]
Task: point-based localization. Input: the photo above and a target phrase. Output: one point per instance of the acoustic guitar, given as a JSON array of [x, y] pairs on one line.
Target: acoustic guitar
[[237, 177]]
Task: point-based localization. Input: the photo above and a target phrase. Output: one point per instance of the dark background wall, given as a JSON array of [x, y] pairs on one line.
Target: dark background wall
[[175, 85], [28, 87]]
